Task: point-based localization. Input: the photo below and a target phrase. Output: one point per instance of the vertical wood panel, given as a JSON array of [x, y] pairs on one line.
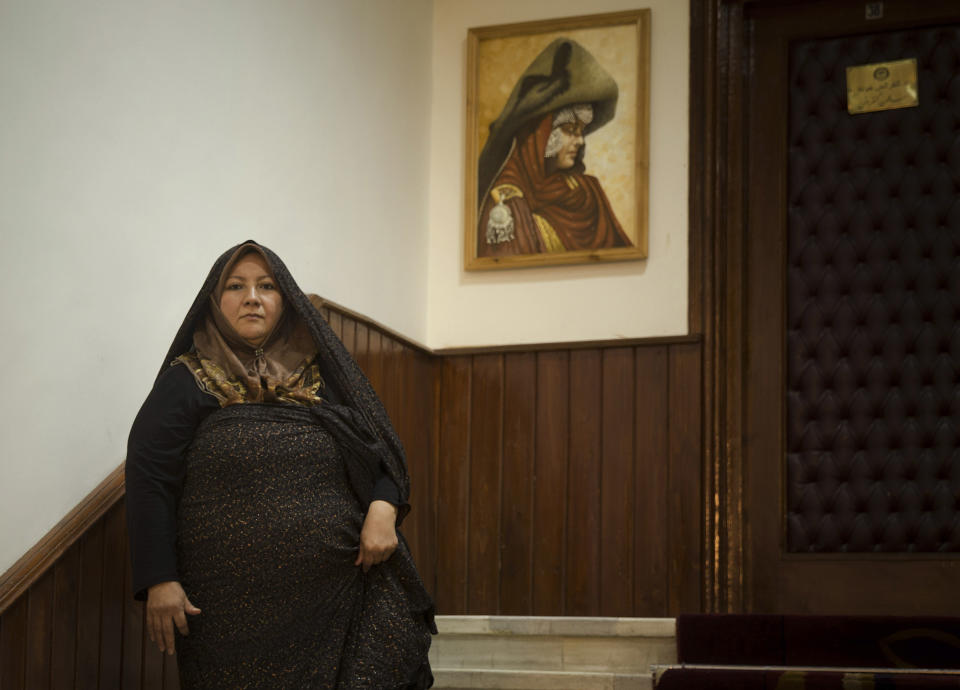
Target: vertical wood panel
[[66, 577], [519, 423], [408, 408], [336, 322], [171, 676], [652, 463], [13, 647], [111, 601], [361, 343], [430, 369], [453, 486], [583, 516], [39, 632], [348, 335], [374, 368], [88, 610], [392, 377], [418, 438], [152, 665], [550, 491], [617, 484], [486, 445], [403, 422], [133, 632], [685, 480]]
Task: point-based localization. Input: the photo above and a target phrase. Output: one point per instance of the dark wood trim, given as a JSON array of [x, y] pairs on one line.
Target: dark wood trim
[[576, 345], [35, 562], [375, 325], [702, 40], [340, 310], [703, 27], [716, 292]]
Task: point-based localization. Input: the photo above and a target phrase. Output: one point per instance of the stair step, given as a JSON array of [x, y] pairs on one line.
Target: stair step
[[747, 677], [470, 678], [659, 669], [558, 644]]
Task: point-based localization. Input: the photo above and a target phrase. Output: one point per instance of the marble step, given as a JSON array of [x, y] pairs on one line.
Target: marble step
[[466, 678], [604, 651]]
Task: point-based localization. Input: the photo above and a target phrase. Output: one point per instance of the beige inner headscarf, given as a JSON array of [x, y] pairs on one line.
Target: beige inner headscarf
[[281, 369]]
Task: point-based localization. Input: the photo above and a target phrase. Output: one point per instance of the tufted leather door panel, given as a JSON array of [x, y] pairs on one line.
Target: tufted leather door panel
[[852, 447], [873, 301]]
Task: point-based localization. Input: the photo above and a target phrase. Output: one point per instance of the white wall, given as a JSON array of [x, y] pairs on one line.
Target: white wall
[[555, 304], [140, 139]]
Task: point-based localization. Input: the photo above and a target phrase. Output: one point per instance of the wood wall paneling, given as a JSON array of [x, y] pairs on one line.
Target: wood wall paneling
[[348, 335], [486, 446], [374, 358], [133, 620], [563, 460], [453, 485], [551, 476], [88, 608], [78, 626], [111, 598], [617, 484], [545, 481], [685, 515], [13, 645], [361, 351], [420, 441], [40, 632], [582, 595], [516, 536], [66, 578], [171, 674], [651, 476], [152, 673]]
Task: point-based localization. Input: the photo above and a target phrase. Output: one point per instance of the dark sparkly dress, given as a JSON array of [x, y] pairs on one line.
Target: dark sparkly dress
[[268, 529]]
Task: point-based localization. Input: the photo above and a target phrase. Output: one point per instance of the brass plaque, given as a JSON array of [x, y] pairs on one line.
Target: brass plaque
[[882, 86]]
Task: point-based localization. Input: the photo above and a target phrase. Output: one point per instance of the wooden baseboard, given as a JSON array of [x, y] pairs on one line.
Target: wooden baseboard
[[35, 562]]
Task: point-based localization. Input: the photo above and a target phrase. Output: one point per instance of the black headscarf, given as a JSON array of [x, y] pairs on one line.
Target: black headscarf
[[360, 425]]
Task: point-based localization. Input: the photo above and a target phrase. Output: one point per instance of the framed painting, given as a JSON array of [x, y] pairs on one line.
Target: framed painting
[[557, 139]]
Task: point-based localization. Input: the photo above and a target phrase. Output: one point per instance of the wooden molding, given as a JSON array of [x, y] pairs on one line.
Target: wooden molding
[[370, 323], [529, 347], [35, 562], [575, 345]]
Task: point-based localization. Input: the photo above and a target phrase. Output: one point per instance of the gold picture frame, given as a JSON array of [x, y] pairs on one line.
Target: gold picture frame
[[557, 141]]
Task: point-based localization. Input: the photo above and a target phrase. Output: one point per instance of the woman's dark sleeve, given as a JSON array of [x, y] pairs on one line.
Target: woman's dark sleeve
[[384, 489], [163, 429]]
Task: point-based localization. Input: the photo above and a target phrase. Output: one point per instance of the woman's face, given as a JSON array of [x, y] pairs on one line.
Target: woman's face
[[571, 139], [251, 302]]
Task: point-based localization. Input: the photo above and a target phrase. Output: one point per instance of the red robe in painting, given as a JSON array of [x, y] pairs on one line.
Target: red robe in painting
[[570, 202]]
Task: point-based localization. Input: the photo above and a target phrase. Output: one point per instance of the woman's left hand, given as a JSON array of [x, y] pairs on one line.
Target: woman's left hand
[[378, 538]]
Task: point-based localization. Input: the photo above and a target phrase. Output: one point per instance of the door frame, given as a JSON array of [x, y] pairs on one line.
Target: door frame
[[720, 72]]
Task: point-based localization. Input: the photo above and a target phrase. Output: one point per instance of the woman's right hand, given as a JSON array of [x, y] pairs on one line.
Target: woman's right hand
[[167, 605]]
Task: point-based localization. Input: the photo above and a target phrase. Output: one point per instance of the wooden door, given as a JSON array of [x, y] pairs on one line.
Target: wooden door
[[838, 561]]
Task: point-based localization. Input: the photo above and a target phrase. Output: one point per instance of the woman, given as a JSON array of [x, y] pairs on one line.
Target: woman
[[264, 486], [534, 196]]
